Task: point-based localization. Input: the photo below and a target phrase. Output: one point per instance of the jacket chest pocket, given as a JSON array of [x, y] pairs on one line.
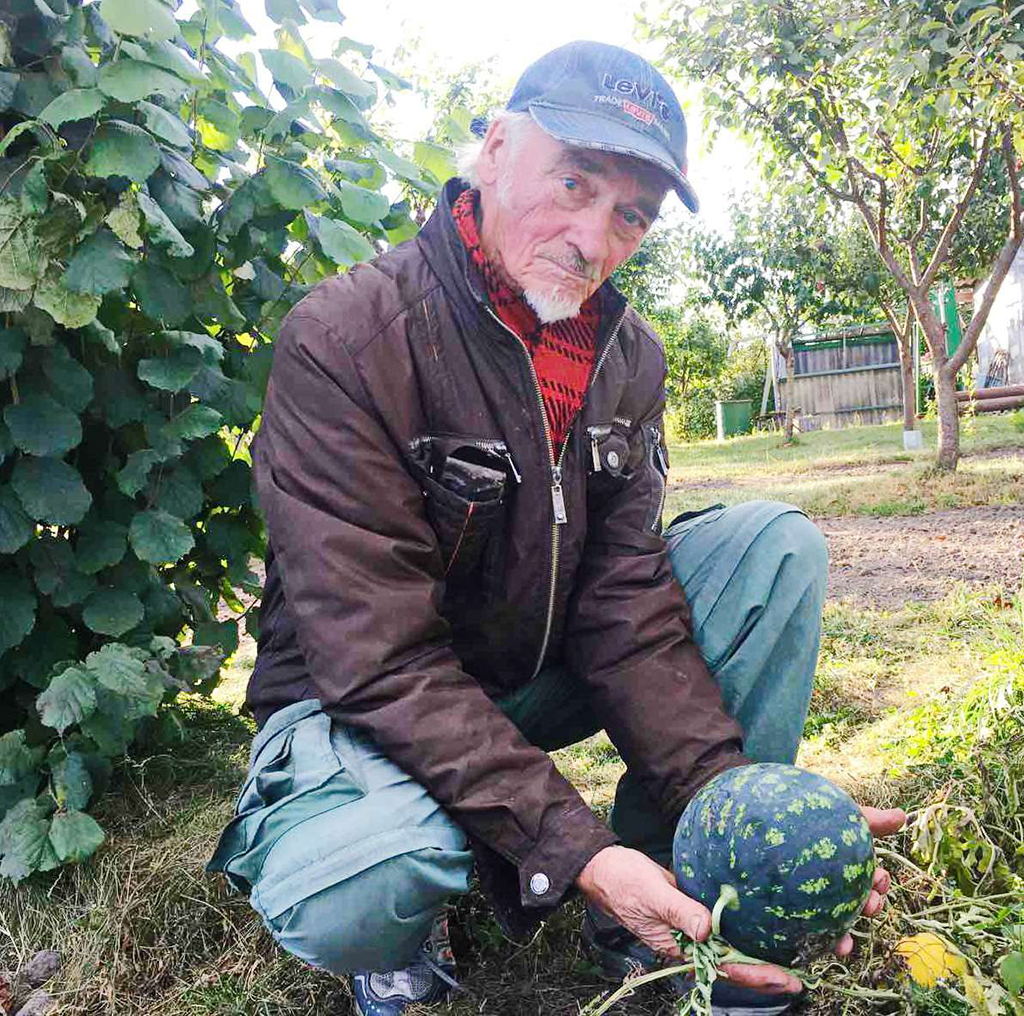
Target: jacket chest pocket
[[464, 483]]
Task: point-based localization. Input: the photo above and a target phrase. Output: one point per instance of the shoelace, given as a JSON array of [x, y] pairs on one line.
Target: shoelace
[[439, 971]]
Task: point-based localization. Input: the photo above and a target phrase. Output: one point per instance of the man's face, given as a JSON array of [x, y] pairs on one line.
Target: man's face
[[560, 220]]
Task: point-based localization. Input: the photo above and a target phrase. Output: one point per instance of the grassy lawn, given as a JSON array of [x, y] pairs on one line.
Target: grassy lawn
[[860, 471], [910, 704]]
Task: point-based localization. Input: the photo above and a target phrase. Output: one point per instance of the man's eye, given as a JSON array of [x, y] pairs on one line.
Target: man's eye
[[570, 183], [631, 218]]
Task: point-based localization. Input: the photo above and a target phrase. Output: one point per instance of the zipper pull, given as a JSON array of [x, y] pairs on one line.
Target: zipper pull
[[656, 435], [557, 499], [512, 467], [597, 434]]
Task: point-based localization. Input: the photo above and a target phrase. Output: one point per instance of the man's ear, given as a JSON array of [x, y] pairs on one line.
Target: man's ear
[[494, 150]]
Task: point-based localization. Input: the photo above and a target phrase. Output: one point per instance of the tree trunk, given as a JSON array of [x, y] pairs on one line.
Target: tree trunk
[[906, 349], [949, 419], [790, 356]]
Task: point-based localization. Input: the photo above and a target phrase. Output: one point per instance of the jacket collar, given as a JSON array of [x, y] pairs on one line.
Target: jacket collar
[[462, 280]]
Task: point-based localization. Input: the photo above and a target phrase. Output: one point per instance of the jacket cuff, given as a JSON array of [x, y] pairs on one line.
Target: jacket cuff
[[702, 773], [548, 872]]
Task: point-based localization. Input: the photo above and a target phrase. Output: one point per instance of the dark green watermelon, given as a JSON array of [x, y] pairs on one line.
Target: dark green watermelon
[[795, 848]]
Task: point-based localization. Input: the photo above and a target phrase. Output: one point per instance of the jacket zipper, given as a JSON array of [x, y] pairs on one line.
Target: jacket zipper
[[662, 473], [557, 497]]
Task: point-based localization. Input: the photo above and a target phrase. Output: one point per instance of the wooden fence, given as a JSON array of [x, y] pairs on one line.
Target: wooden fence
[[842, 379]]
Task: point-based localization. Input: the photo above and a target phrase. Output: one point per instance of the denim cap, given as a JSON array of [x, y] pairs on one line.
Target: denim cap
[[593, 95]]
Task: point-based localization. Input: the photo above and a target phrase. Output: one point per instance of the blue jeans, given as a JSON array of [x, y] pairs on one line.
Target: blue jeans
[[347, 859]]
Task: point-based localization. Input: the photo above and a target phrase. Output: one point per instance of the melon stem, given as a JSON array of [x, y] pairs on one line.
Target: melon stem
[[727, 897]]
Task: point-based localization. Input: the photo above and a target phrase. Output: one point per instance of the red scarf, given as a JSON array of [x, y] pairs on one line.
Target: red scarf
[[562, 352]]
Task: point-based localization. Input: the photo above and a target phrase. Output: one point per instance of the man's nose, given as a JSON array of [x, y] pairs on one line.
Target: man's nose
[[590, 235]]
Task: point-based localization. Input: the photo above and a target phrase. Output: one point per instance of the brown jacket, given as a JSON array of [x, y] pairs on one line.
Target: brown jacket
[[417, 570]]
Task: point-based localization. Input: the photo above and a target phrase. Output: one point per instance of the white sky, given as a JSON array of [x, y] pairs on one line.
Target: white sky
[[508, 37]]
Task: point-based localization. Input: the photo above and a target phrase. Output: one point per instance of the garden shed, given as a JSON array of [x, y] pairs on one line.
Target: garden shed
[[842, 378]]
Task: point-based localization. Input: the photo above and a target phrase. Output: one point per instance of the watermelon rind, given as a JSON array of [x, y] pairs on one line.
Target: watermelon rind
[[795, 847]]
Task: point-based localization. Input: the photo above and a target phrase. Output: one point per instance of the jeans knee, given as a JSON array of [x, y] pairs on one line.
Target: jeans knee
[[801, 547], [375, 919]]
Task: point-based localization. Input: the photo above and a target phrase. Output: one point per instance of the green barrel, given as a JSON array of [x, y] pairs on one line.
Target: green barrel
[[733, 417]]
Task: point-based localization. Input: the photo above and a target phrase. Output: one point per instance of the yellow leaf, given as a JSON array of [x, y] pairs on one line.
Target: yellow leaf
[[928, 958]]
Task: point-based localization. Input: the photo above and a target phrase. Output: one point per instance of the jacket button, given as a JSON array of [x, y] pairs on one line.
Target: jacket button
[[539, 884], [613, 460]]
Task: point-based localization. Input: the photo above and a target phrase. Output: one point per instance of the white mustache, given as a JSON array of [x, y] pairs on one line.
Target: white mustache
[[576, 264]]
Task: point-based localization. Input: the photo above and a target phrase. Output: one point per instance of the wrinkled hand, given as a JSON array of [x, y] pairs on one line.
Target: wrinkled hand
[[642, 896], [881, 822]]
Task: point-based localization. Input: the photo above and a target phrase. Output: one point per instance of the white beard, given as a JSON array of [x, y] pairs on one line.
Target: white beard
[[553, 304]]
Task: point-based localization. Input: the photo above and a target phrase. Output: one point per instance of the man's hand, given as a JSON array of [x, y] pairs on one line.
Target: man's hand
[[642, 896]]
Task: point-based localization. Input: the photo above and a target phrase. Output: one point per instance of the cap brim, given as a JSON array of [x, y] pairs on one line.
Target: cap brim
[[592, 130]]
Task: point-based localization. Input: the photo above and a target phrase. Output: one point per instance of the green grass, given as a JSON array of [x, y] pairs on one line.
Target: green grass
[[143, 931], [859, 471]]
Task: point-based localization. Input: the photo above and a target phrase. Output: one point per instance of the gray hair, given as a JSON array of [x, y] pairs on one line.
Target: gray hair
[[468, 155]]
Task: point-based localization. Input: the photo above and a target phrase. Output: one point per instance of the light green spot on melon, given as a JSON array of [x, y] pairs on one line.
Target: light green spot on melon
[[845, 908], [848, 836], [777, 911], [824, 848], [796, 807], [775, 837], [852, 871], [814, 885], [687, 870], [816, 800]]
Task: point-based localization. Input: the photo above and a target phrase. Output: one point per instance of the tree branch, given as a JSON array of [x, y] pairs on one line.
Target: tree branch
[[942, 250], [1002, 263]]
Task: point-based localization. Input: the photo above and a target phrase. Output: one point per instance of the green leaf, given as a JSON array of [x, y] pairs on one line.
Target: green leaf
[[16, 528], [75, 836], [132, 478], [72, 782], [76, 104], [35, 191], [49, 643], [71, 382], [362, 205], [112, 612], [389, 78], [219, 125], [211, 349], [100, 265], [121, 149], [165, 125], [24, 841], [145, 18], [340, 105], [344, 44], [69, 699], [161, 229], [66, 307], [345, 80], [1011, 969], [19, 610], [56, 573], [119, 669], [12, 344], [158, 537], [287, 69], [79, 67], [179, 493], [232, 488], [51, 491], [41, 426], [125, 220], [17, 759], [161, 296], [101, 544], [223, 634], [170, 373], [343, 244], [131, 80], [22, 261], [324, 10], [281, 10], [436, 159]]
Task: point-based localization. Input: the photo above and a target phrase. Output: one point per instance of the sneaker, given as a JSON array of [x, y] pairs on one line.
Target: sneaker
[[619, 954], [429, 978]]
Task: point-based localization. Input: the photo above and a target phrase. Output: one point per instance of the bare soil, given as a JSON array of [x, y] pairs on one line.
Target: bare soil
[[884, 562]]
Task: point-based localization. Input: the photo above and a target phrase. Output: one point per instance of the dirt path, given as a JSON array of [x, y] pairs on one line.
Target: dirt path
[[884, 562]]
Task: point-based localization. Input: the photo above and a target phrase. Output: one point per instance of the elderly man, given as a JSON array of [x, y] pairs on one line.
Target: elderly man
[[462, 465]]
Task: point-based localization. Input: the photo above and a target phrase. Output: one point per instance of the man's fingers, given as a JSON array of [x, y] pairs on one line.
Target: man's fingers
[[844, 946], [884, 821], [762, 977], [882, 881], [689, 916], [872, 904]]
